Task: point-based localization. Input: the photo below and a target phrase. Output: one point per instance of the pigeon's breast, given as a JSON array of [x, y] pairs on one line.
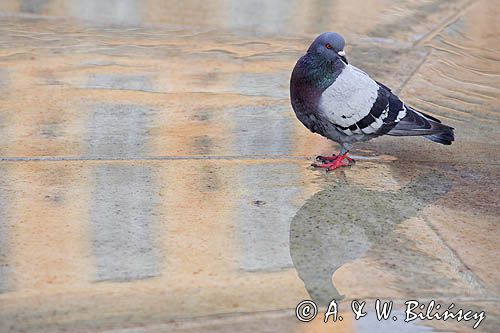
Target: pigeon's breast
[[349, 98]]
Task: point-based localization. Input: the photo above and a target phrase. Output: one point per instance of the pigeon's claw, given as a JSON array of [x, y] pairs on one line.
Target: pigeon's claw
[[351, 160], [334, 157], [331, 163]]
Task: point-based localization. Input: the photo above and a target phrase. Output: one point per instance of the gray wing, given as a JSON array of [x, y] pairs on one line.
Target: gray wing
[[385, 113]]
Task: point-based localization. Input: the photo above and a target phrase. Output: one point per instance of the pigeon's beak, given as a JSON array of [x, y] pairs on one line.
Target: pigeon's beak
[[342, 56]]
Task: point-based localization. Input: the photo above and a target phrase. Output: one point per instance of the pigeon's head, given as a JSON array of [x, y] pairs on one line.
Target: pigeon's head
[[329, 46]]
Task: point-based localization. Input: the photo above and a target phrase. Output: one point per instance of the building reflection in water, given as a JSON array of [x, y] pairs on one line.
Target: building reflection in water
[[268, 204], [123, 199], [263, 17], [264, 215], [4, 266], [33, 6], [111, 12]]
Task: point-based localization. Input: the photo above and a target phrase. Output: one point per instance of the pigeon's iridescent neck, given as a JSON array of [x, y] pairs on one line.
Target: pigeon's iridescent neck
[[319, 72]]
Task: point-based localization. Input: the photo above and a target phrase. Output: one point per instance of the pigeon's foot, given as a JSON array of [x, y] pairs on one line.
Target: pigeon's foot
[[334, 157], [333, 162]]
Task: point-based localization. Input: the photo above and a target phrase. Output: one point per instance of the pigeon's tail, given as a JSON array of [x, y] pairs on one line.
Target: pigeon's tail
[[419, 123], [445, 138]]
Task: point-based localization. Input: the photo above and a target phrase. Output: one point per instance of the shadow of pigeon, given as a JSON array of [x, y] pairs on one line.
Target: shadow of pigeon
[[340, 224]]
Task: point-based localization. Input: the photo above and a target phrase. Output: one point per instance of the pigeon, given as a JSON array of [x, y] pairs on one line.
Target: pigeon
[[342, 103]]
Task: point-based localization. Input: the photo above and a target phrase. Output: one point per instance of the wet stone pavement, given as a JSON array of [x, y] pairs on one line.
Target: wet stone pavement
[[153, 177]]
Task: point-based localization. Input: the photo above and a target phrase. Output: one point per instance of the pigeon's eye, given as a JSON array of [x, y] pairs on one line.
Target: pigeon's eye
[[328, 45]]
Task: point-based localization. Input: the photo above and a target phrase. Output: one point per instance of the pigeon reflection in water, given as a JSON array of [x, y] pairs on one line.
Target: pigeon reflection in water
[[340, 224]]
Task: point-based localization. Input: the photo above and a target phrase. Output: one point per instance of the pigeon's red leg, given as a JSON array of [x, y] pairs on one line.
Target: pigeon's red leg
[[324, 159], [334, 162]]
